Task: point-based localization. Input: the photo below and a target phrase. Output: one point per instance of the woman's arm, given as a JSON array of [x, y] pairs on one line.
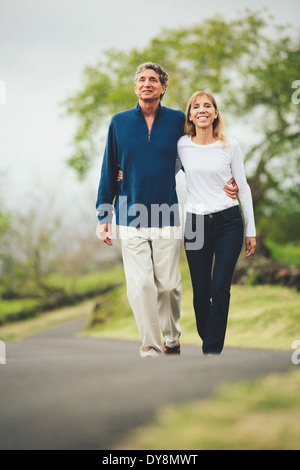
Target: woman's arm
[[245, 196]]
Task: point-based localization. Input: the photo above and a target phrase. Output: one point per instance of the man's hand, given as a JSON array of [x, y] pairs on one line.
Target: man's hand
[[250, 245], [232, 190], [106, 234]]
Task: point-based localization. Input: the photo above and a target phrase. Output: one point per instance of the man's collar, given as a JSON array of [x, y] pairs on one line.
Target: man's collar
[[139, 108]]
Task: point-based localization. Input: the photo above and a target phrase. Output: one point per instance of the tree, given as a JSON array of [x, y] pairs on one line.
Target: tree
[[249, 69]]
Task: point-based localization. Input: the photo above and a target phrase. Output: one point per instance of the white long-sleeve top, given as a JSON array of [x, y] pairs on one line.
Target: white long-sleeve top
[[208, 168]]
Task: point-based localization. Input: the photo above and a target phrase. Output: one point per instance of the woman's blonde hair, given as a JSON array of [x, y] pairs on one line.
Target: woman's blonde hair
[[218, 125]]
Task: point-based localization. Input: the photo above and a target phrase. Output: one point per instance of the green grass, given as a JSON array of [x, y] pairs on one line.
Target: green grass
[[262, 414], [19, 330], [288, 253], [85, 284], [264, 316], [113, 317], [8, 307]]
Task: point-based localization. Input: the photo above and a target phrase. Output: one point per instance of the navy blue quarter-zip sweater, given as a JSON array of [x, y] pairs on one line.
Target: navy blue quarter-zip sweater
[[147, 159]]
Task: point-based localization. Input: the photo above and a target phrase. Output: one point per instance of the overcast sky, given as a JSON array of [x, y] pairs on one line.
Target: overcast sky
[[44, 47]]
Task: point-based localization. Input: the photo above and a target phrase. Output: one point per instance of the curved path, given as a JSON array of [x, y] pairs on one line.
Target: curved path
[[60, 392]]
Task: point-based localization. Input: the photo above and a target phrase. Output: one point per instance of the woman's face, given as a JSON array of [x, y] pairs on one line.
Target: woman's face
[[203, 113]]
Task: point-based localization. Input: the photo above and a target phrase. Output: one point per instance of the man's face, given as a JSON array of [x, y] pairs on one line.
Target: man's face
[[148, 86]]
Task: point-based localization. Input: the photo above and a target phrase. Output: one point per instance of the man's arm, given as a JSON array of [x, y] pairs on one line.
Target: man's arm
[[108, 186]]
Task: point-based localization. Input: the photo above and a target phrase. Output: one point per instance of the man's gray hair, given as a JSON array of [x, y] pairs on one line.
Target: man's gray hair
[[163, 76]]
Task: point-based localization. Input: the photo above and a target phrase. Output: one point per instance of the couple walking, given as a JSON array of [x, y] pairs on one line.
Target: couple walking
[[145, 148]]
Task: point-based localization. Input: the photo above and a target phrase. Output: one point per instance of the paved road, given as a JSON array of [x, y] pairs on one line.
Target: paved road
[[60, 392]]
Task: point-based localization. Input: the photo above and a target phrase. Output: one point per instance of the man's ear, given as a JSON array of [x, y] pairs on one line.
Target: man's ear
[[164, 87]]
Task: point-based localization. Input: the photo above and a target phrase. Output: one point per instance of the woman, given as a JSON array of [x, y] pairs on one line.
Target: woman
[[209, 160]]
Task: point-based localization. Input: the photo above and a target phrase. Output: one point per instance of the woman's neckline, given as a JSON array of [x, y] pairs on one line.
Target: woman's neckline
[[203, 145]]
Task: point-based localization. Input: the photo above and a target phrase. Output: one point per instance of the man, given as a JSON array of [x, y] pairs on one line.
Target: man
[[142, 142]]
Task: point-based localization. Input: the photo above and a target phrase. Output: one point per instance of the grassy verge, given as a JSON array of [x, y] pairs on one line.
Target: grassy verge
[[25, 317], [89, 282], [62, 292], [22, 329], [11, 307], [255, 415]]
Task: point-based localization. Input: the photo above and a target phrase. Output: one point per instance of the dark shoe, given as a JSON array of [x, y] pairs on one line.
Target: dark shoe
[[175, 350]]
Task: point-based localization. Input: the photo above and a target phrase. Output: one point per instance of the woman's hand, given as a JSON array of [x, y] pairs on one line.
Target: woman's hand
[[250, 246], [231, 189]]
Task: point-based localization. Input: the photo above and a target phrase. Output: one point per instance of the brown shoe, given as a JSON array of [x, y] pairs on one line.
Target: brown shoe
[[175, 350]]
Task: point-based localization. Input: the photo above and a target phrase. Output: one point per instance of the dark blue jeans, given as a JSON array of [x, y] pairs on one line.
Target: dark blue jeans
[[211, 269]]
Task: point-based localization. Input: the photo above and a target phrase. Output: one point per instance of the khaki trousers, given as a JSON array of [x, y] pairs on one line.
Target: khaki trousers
[[151, 264]]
